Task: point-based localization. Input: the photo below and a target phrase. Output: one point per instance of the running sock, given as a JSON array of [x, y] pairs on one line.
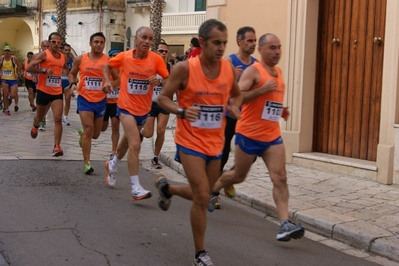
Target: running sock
[[197, 253], [215, 193], [135, 181]]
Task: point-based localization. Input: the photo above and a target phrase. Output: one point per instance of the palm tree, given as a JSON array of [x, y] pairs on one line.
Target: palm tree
[[61, 7], [156, 21]]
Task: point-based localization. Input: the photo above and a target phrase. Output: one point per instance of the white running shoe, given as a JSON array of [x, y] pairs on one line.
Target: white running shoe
[[65, 121], [140, 194], [110, 178]]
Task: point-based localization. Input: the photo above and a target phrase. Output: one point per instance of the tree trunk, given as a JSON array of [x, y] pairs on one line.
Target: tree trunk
[[156, 21], [61, 7]]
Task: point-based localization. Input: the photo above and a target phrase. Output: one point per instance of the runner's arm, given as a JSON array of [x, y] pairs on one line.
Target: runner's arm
[[116, 81], [36, 60], [177, 81]]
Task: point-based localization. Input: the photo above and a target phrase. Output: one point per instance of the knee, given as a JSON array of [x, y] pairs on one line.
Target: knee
[[95, 136], [134, 146], [161, 132], [279, 179], [201, 198]]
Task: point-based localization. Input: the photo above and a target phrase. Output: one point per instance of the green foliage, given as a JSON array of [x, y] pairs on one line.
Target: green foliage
[[99, 3]]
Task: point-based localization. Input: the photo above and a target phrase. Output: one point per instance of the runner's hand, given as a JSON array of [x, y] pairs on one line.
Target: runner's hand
[[192, 113], [234, 111]]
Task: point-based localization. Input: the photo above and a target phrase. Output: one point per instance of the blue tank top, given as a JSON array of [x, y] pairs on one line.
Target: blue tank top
[[236, 62]]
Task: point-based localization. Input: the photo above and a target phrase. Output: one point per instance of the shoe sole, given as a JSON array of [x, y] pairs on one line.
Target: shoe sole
[[33, 135], [57, 154], [160, 199], [229, 191], [296, 234], [91, 170], [107, 174], [145, 196]]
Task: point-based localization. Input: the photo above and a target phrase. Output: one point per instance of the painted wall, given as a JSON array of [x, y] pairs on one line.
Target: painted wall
[[18, 32]]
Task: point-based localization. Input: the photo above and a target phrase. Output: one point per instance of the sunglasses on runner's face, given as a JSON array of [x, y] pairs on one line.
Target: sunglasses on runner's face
[[55, 42], [162, 51]]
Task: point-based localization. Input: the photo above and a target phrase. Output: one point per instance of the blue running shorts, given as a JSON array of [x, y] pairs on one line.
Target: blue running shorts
[[254, 147], [97, 108], [195, 153], [140, 120]]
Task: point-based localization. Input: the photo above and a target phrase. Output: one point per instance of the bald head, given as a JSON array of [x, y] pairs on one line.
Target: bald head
[[45, 45]]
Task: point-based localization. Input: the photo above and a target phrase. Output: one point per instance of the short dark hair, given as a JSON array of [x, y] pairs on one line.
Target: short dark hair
[[29, 53], [241, 32], [66, 44], [54, 33], [195, 42], [206, 28], [162, 43], [97, 34]]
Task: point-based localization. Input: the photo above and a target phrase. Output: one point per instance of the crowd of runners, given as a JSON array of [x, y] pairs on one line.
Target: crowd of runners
[[217, 98]]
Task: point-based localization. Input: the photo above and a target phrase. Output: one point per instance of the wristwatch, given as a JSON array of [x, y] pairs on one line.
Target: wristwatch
[[44, 70], [180, 112]]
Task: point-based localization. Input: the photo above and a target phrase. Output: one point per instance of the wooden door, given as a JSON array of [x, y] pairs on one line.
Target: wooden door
[[349, 77]]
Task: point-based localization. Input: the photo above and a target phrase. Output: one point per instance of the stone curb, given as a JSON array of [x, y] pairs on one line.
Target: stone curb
[[322, 221]]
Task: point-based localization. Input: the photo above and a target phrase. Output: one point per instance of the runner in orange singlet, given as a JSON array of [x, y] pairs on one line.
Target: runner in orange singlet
[[49, 91], [204, 85], [30, 81], [258, 131], [110, 113], [138, 70], [92, 100]]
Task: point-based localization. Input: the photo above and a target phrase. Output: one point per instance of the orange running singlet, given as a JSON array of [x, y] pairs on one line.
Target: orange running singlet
[[206, 135], [135, 95], [260, 118], [91, 78], [27, 75], [51, 84]]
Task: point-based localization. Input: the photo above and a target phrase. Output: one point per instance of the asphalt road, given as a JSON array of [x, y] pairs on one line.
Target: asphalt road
[[52, 214]]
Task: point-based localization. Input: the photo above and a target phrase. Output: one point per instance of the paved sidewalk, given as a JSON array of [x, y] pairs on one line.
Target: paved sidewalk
[[356, 211]]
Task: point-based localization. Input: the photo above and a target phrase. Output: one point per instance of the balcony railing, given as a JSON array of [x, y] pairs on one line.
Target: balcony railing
[[15, 3], [182, 23]]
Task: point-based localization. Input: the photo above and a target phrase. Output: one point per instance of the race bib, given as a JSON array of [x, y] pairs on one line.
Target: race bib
[[53, 81], [137, 86], [92, 83], [113, 94], [155, 93], [7, 73], [210, 117], [272, 111]]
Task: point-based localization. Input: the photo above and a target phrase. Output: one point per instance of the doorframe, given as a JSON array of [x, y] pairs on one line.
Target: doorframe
[[300, 75]]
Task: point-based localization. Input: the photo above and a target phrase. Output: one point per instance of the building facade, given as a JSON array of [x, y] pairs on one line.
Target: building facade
[[180, 22], [19, 25], [86, 17], [340, 62]]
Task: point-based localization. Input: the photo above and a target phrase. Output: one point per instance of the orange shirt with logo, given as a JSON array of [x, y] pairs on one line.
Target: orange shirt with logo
[[260, 118], [27, 75], [91, 78], [135, 95], [51, 84], [206, 134]]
